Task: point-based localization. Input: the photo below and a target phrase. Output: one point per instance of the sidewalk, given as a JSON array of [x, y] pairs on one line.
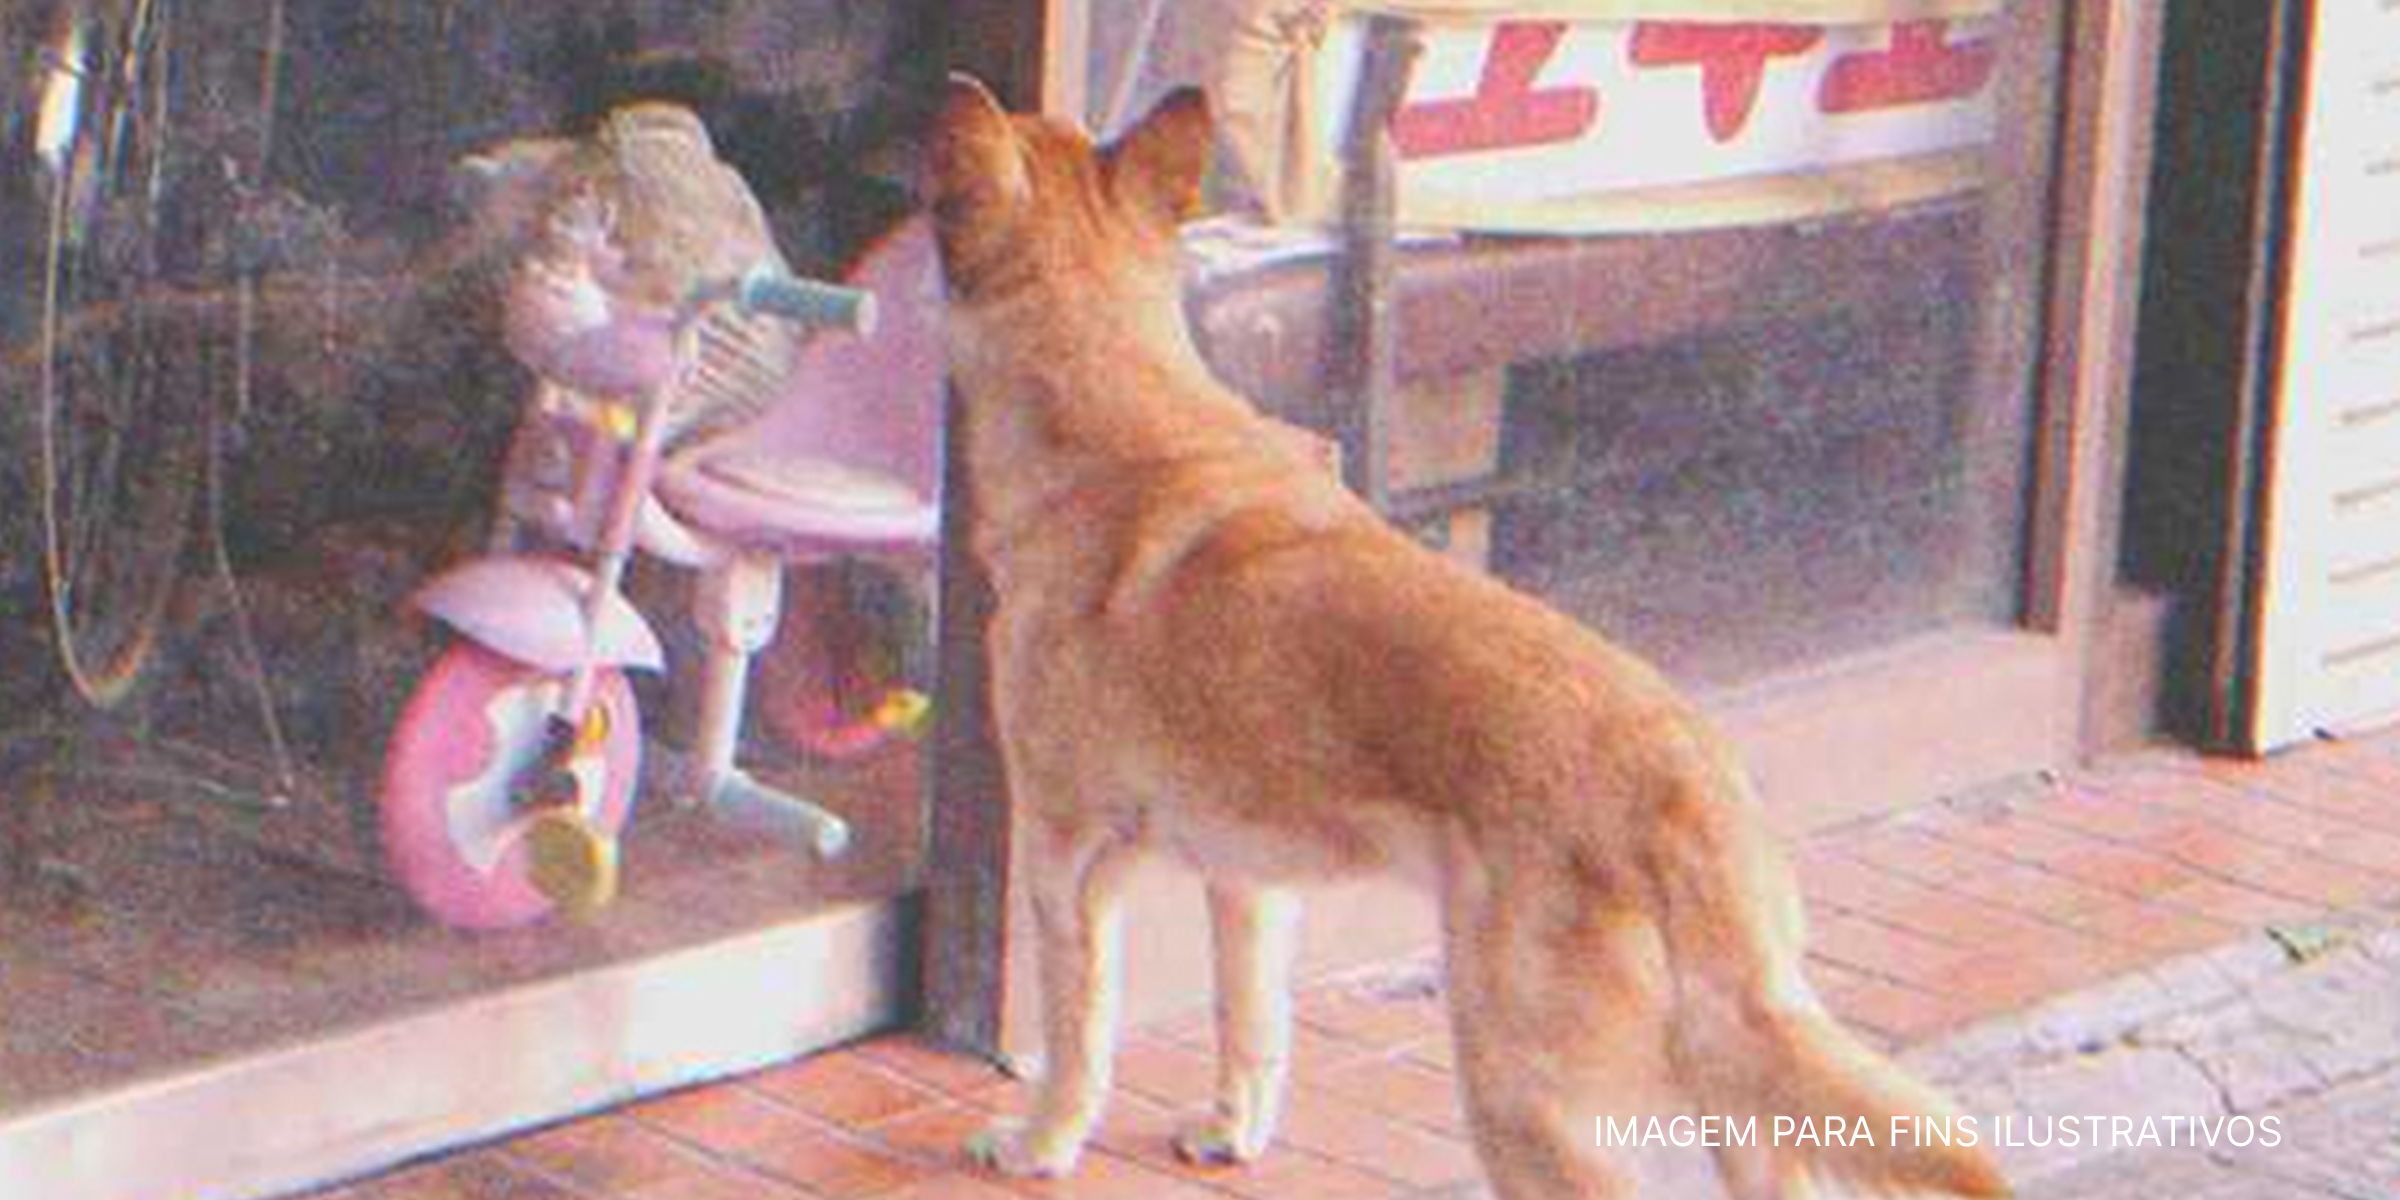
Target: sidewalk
[[2163, 936], [2303, 1038]]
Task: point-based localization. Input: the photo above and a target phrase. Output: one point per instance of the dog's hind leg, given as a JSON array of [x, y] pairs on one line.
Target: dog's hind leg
[[1560, 1021], [1075, 879], [1256, 934]]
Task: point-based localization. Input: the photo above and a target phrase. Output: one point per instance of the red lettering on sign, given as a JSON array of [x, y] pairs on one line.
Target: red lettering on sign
[[1921, 67], [1506, 109], [1732, 60]]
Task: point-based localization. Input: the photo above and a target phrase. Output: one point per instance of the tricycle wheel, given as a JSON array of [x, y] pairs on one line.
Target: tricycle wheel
[[454, 836], [835, 683]]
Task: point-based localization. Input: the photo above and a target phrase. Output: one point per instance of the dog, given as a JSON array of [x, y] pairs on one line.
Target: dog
[[1204, 646]]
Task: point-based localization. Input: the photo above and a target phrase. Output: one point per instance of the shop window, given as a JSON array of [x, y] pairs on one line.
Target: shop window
[[307, 305], [1717, 334]]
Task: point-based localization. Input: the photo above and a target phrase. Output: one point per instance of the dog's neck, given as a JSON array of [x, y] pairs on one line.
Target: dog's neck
[[1057, 401]]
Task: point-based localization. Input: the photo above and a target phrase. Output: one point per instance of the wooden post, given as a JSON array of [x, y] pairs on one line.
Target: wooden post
[[1363, 320], [1007, 44]]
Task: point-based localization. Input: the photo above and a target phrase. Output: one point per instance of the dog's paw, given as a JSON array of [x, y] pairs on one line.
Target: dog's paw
[[1218, 1140], [1015, 1149]]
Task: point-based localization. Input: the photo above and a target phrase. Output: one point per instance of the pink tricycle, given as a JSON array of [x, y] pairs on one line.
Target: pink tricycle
[[763, 421]]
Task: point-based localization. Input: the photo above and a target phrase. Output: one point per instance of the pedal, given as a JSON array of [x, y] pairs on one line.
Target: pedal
[[570, 862], [905, 712]]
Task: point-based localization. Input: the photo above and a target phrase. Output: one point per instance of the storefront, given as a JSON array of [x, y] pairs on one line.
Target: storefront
[[1825, 391]]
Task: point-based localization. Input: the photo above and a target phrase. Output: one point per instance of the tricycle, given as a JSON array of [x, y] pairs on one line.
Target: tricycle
[[748, 422]]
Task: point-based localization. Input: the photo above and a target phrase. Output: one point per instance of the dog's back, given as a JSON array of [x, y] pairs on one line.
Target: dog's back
[[1204, 645]]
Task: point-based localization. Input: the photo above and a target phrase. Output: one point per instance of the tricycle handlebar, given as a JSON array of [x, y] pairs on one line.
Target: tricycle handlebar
[[771, 291]]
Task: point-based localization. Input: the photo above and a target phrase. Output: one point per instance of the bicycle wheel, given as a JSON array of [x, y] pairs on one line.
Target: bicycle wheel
[[121, 360]]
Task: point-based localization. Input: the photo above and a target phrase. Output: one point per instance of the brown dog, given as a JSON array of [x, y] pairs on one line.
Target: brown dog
[[1204, 646]]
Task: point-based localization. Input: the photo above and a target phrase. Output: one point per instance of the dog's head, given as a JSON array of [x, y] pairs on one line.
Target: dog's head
[[1025, 203]]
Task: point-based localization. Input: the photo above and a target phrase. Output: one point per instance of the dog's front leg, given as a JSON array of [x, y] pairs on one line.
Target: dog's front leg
[[1079, 927], [1256, 934]]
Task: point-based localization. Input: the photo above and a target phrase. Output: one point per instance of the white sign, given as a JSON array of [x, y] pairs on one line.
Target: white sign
[[1542, 111]]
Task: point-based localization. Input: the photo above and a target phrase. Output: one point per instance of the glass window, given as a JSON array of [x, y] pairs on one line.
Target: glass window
[[343, 347], [1716, 334]]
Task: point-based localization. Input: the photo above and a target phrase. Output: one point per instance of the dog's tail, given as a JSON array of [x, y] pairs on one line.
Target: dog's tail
[[1830, 1109], [1754, 1041]]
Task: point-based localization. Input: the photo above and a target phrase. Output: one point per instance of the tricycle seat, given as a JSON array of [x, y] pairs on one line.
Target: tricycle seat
[[846, 460], [796, 504]]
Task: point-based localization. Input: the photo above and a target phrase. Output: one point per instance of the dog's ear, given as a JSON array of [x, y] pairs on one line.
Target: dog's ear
[[978, 165], [1156, 169]]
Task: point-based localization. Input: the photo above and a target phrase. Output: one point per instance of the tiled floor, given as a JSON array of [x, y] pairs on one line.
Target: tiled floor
[[1922, 923]]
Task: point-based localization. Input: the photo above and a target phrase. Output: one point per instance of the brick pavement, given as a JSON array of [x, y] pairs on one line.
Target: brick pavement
[[2168, 899]]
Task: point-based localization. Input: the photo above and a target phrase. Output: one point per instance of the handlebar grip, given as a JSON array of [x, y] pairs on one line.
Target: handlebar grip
[[775, 293]]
